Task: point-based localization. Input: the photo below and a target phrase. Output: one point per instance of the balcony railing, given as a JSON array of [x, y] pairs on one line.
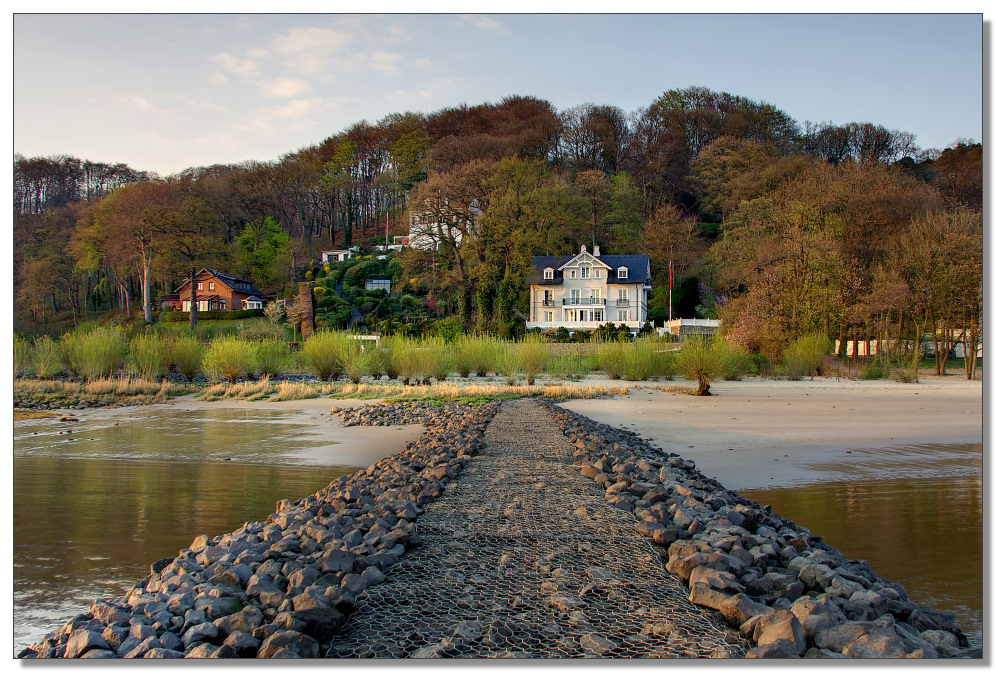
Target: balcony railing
[[583, 301], [622, 302], [547, 303]]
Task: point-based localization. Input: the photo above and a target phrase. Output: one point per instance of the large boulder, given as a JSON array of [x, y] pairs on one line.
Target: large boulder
[[289, 644], [81, 641]]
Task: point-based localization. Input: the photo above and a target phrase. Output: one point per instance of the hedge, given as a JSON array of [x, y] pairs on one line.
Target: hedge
[[228, 314]]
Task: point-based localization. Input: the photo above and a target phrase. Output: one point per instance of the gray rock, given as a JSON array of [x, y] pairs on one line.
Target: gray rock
[[943, 642], [596, 645], [199, 632], [703, 594], [780, 648], [162, 654], [170, 641], [333, 561], [775, 626], [225, 651], [81, 641], [319, 623], [246, 645], [837, 637], [738, 608], [879, 643], [98, 653], [816, 614], [354, 583], [108, 613], [246, 620], [144, 647], [288, 643]]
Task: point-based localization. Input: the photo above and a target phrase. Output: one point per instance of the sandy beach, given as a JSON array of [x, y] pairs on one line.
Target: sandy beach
[[763, 433]]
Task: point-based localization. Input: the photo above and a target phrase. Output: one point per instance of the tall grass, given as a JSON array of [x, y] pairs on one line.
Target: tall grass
[[432, 359], [148, 354], [508, 361], [534, 356], [403, 360], [463, 351], [806, 355], [325, 353], [735, 361], [94, 353], [46, 358], [570, 366], [184, 354], [611, 357], [639, 360], [228, 358], [272, 356], [483, 352], [22, 355], [699, 361]]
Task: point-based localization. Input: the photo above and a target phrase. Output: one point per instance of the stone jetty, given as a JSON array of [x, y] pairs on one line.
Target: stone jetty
[[515, 529]]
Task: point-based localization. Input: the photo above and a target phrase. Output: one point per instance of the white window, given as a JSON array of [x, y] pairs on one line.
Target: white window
[[221, 305], [594, 295], [548, 316], [598, 315], [571, 273], [621, 295], [622, 315], [548, 298], [596, 273], [211, 285], [574, 296], [584, 271], [200, 285], [621, 272], [549, 273]]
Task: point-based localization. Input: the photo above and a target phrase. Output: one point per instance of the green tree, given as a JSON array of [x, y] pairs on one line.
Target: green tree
[[263, 251]]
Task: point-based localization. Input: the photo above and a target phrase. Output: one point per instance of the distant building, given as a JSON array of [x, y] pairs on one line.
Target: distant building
[[430, 227], [584, 291], [681, 328], [338, 255], [216, 291], [378, 284]]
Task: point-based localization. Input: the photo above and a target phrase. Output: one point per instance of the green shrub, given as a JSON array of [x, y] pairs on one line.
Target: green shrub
[[272, 355], [353, 360], [534, 354], [229, 358], [508, 361], [95, 353], [228, 314], [403, 362], [805, 356], [734, 359], [663, 362], [148, 355], [761, 365], [464, 361], [571, 366], [254, 331], [873, 370], [325, 353], [184, 355], [22, 355], [611, 356], [378, 361], [639, 360], [481, 352], [699, 361], [46, 358]]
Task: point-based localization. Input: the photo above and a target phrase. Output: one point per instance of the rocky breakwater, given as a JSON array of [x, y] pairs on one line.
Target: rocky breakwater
[[782, 587], [283, 587]]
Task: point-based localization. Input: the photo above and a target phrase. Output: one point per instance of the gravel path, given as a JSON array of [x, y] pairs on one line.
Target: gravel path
[[522, 557]]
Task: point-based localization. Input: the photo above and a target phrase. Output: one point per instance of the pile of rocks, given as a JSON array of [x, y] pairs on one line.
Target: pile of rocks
[[280, 588], [397, 414], [785, 589]]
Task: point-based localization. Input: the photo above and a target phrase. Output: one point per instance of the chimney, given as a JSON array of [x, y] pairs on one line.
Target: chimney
[[596, 251], [583, 248]]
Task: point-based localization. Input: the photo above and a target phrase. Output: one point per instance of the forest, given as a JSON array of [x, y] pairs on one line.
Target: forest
[[780, 228]]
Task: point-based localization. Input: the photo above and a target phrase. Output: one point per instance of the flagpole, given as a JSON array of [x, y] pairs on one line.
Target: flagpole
[[670, 291], [386, 230]]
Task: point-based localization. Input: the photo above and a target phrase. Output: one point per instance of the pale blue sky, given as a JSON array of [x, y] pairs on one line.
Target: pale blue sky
[[166, 92]]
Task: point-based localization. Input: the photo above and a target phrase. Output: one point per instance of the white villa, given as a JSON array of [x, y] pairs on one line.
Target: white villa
[[584, 291]]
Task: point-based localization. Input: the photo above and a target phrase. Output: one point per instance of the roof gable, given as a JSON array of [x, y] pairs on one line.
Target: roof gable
[[582, 257]]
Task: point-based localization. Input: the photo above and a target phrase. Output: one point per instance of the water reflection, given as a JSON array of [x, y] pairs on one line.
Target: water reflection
[[91, 514], [925, 533]]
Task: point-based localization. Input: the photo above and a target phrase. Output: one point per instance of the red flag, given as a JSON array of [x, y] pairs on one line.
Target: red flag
[[670, 274]]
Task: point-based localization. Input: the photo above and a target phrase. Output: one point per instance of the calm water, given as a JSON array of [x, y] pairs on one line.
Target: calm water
[[915, 521], [93, 508]]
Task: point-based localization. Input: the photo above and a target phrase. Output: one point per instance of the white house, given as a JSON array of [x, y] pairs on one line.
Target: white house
[[584, 291], [431, 226], [338, 255]]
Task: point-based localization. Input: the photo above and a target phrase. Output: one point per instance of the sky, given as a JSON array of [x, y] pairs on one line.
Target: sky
[[163, 93]]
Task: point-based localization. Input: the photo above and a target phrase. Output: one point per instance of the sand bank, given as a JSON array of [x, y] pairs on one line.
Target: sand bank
[[763, 433]]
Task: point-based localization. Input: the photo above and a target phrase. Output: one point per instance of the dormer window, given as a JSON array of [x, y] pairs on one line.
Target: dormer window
[[621, 272], [584, 271], [548, 273]]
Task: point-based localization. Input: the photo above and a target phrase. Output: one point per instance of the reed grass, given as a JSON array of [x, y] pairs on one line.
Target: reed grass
[[534, 356], [185, 353], [699, 361], [326, 352], [272, 356], [148, 355], [22, 356], [94, 353], [229, 358], [805, 355], [46, 358]]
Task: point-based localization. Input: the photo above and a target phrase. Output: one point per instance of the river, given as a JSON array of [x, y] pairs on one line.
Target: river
[[95, 506]]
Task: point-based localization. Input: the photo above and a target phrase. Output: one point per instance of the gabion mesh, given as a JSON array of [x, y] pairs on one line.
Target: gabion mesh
[[522, 557]]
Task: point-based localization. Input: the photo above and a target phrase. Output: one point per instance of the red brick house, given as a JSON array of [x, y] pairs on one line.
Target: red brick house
[[216, 291]]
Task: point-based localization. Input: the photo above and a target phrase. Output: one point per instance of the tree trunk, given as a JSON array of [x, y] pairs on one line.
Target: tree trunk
[[842, 339], [194, 300], [146, 292]]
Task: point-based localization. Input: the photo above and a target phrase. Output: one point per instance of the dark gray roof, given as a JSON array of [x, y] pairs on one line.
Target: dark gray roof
[[230, 280], [637, 268]]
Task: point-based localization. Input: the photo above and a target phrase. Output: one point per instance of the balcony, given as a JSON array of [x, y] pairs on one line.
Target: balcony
[[547, 303], [622, 302], [583, 302]]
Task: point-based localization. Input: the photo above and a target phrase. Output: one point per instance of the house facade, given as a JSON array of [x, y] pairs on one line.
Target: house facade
[[586, 290], [217, 291], [338, 255]]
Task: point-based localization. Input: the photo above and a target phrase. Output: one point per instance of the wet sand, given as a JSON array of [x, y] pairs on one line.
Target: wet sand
[[764, 433]]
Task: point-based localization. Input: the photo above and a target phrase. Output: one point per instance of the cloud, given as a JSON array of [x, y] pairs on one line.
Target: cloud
[[384, 62], [295, 112], [310, 49], [430, 90], [283, 87], [138, 103], [422, 64], [218, 78], [245, 67], [484, 22]]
